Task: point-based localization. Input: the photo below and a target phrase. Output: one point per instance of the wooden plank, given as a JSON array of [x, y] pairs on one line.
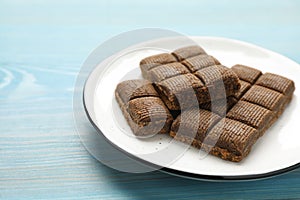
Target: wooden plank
[[42, 46]]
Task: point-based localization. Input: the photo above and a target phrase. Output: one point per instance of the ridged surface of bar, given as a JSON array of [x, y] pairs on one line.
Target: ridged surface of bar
[[200, 62], [246, 73], [186, 52], [195, 123], [131, 89], [163, 72]]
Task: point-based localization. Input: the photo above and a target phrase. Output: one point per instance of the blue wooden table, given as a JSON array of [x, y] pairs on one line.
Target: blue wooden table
[[42, 46]]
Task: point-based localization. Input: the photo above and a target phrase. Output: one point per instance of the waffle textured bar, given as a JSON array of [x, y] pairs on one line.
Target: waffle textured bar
[[142, 108], [260, 101], [189, 73]]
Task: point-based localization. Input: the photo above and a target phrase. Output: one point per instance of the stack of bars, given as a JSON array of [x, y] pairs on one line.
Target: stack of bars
[[189, 95]]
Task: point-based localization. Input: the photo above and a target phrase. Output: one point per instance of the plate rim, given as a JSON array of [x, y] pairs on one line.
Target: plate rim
[[185, 174]]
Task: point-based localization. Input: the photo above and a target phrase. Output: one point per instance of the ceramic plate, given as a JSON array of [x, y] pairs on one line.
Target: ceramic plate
[[274, 153]]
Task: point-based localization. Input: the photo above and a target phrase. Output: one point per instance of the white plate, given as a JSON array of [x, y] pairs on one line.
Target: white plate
[[276, 152]]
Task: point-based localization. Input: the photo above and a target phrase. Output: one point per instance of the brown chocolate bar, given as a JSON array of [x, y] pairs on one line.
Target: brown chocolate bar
[[261, 100], [142, 108], [227, 128], [188, 77]]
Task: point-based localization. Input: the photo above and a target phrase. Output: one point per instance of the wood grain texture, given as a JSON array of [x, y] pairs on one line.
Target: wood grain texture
[[42, 46]]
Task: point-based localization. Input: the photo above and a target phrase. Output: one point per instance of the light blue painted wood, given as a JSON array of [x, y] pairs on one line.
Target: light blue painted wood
[[42, 46]]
